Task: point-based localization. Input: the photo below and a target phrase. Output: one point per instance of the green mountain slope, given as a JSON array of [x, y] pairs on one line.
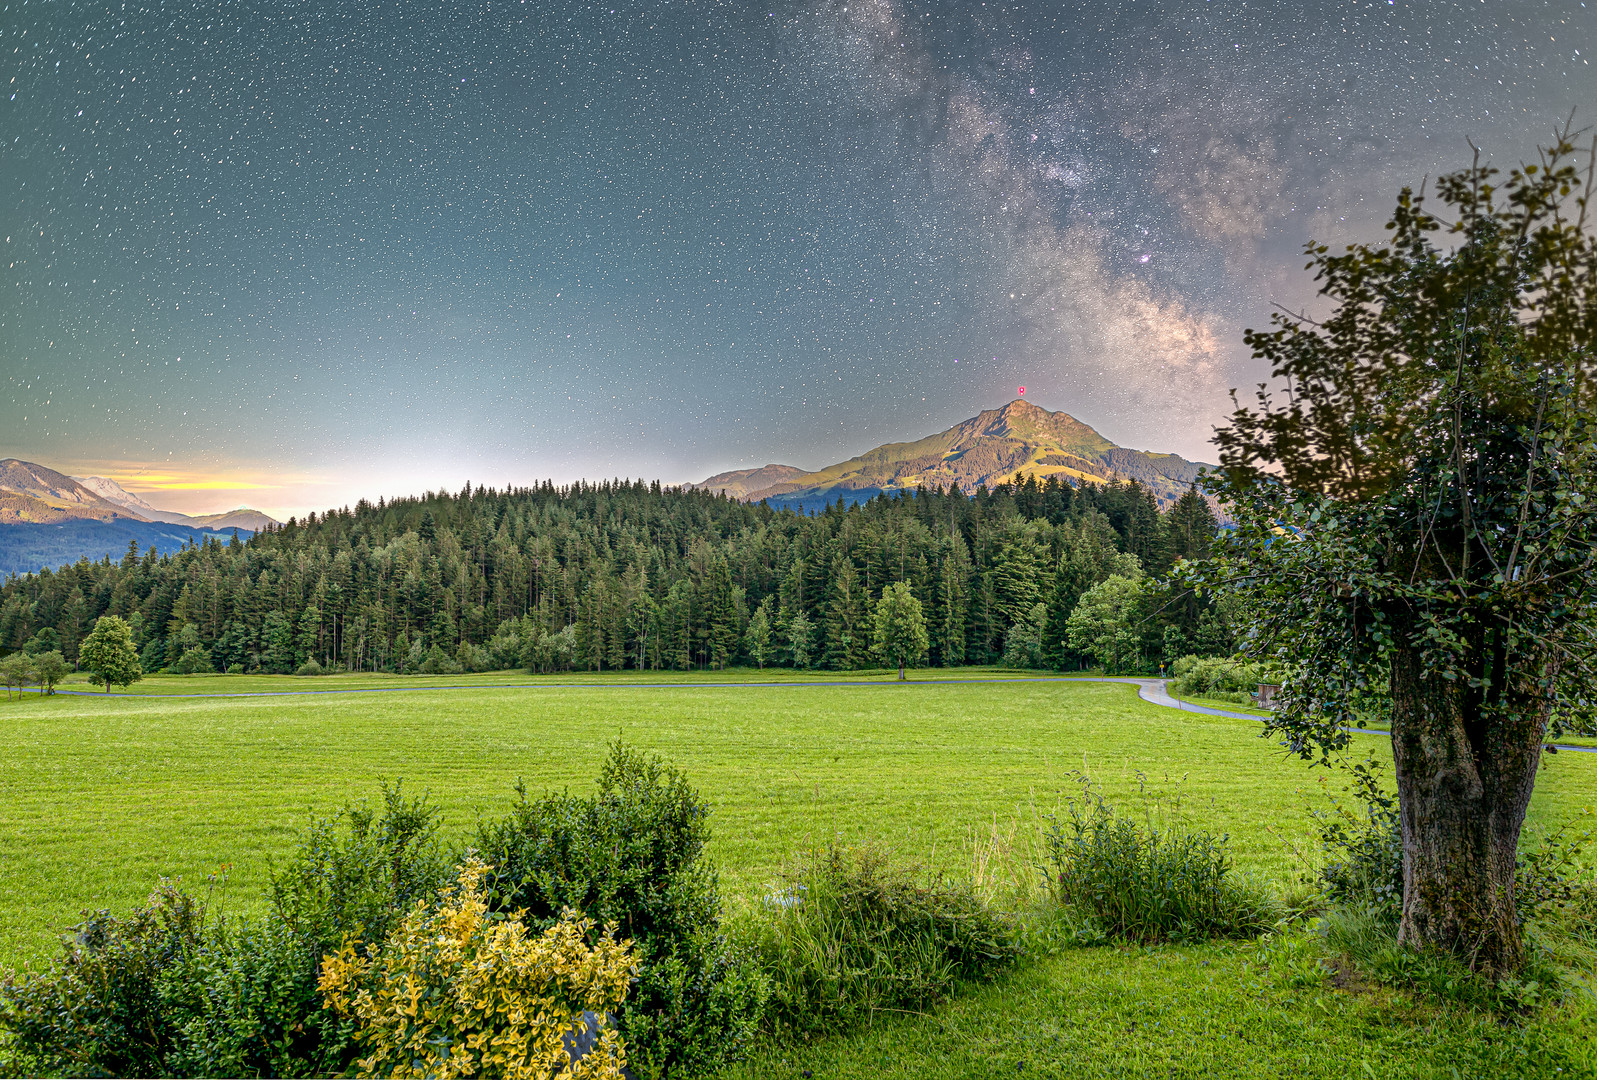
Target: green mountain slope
[[994, 447]]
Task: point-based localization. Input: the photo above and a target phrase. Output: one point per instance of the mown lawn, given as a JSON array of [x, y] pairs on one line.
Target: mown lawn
[[104, 795], [1206, 1011]]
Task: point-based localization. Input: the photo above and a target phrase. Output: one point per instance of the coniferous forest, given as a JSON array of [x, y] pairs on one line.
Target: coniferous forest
[[639, 576]]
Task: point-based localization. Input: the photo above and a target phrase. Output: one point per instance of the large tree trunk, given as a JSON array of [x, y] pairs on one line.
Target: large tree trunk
[[1464, 780]]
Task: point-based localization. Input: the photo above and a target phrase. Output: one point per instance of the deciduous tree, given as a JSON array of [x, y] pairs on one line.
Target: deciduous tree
[[48, 669], [109, 655], [1419, 517], [16, 671]]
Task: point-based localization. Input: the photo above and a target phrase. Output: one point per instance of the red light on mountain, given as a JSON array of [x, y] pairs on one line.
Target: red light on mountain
[[1021, 390]]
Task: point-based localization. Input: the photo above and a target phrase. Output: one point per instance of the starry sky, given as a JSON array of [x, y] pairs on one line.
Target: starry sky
[[292, 254]]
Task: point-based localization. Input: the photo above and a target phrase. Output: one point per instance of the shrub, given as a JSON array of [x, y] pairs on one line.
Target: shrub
[[359, 873], [309, 667], [1224, 678], [1366, 939], [235, 669], [633, 854], [457, 992], [473, 658], [16, 671], [1144, 882], [116, 1002], [851, 933], [256, 1009], [194, 661], [543, 652], [49, 668], [439, 662], [351, 880], [165, 992]]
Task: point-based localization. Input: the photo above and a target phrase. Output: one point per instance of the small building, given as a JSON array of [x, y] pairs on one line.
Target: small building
[[1264, 698]]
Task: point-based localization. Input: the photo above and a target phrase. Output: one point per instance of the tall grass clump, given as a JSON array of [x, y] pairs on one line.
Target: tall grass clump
[[1149, 881], [851, 932]]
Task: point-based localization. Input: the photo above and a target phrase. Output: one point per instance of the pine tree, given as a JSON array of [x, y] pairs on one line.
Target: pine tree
[[845, 610]]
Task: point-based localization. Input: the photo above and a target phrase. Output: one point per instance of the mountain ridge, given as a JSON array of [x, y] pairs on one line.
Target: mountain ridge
[[242, 517], [992, 447], [39, 495], [49, 519]]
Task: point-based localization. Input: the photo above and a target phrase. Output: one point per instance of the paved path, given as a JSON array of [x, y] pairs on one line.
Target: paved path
[[1152, 691]]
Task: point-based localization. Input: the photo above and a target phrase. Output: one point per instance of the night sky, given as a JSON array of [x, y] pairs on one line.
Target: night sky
[[293, 254]]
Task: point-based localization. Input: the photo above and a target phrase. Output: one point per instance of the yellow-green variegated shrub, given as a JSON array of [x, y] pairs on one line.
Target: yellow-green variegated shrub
[[457, 992]]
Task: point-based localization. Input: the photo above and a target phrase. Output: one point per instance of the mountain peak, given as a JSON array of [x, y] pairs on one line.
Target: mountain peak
[[994, 447]]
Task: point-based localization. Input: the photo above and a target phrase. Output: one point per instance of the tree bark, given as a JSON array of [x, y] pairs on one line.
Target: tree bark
[[1464, 779]]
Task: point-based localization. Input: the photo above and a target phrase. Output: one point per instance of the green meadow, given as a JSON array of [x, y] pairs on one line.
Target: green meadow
[[104, 795]]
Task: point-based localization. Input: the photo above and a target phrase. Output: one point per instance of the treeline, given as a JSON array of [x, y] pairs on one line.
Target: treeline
[[633, 575]]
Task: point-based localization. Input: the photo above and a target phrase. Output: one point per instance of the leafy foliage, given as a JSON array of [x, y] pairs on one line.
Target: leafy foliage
[[632, 854], [900, 627], [50, 668], [1363, 844], [1106, 624], [1418, 516], [108, 653], [1216, 677], [16, 672], [454, 992], [355, 875], [115, 1002]]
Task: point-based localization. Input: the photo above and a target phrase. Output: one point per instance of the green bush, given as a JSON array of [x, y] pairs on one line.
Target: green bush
[[194, 661], [116, 1002], [164, 992], [438, 662], [360, 872], [851, 933], [633, 853], [1366, 939], [1223, 678], [255, 1007], [1147, 883]]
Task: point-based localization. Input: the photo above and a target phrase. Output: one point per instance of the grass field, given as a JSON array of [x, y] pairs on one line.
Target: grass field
[[104, 795]]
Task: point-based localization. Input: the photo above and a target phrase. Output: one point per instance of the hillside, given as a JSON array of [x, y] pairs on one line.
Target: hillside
[[50, 519], [740, 483], [113, 492], [242, 518], [33, 493], [989, 449]]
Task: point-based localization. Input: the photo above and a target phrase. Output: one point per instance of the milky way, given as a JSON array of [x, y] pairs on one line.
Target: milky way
[[381, 246]]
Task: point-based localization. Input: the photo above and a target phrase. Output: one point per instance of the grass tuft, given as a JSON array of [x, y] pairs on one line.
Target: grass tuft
[[851, 932], [1151, 881]]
